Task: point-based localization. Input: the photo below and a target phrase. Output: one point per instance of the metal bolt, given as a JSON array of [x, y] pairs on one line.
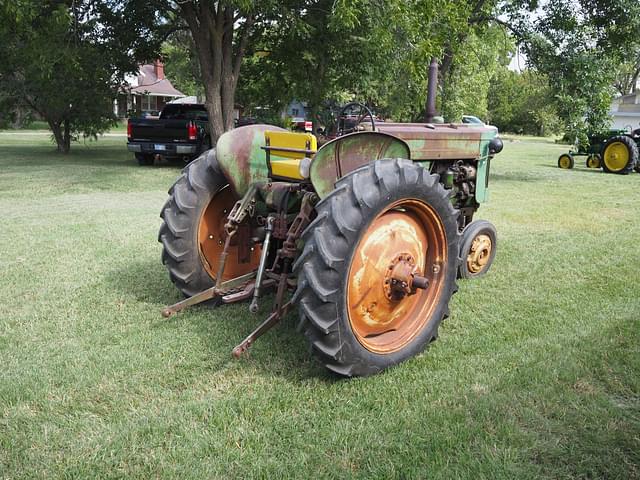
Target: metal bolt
[[436, 268]]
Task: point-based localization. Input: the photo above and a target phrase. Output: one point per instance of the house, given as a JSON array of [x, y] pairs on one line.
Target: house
[[295, 109], [146, 93], [625, 110]]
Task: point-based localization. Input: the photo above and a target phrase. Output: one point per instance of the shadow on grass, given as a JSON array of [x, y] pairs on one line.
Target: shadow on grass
[[282, 351], [582, 169], [102, 155], [514, 177]]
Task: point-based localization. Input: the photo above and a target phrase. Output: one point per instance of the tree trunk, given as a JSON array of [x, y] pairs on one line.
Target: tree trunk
[[67, 136], [213, 27], [61, 135]]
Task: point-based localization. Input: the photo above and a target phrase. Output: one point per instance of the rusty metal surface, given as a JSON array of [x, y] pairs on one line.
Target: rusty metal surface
[[432, 90], [264, 327], [439, 141], [479, 253], [212, 235], [242, 158], [223, 289], [382, 317], [345, 154]]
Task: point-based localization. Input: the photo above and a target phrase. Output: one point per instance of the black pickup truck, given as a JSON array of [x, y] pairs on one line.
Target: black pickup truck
[[182, 131]]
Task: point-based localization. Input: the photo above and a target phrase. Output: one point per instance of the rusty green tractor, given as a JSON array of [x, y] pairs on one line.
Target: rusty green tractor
[[365, 236]]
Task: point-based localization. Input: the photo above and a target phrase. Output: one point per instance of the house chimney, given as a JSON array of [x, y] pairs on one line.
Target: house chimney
[[158, 69]]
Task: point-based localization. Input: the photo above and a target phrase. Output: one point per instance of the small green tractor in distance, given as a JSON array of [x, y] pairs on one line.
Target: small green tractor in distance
[[615, 151], [365, 236]]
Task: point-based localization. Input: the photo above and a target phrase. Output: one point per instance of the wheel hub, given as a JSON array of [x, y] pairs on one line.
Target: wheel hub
[[401, 278], [388, 299], [616, 156], [479, 253]]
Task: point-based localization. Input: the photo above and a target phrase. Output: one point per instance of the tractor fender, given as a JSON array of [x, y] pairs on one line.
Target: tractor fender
[[241, 157], [344, 154]]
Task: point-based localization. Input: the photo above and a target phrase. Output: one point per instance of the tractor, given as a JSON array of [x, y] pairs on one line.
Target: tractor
[[364, 235], [615, 151]]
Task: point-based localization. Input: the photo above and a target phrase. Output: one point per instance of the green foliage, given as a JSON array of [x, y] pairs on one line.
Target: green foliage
[[467, 86], [181, 64], [522, 103], [66, 61], [578, 46]]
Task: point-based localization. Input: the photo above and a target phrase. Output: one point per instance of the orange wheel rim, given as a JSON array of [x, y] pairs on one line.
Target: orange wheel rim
[[409, 229], [211, 237], [479, 253]]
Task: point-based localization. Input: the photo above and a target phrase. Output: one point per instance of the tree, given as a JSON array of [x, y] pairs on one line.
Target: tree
[[66, 60], [577, 45], [628, 72], [181, 63], [522, 102], [222, 32]]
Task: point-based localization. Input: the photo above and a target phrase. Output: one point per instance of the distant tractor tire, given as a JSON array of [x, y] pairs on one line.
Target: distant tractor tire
[[192, 231], [144, 159], [387, 215], [593, 161], [619, 155], [565, 161], [478, 250]]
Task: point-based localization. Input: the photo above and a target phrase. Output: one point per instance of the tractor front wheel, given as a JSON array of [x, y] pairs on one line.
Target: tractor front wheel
[[593, 161], [479, 242], [619, 155], [378, 267], [192, 232], [565, 161]]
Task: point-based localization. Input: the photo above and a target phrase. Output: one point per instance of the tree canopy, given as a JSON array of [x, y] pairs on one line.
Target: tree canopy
[[66, 60]]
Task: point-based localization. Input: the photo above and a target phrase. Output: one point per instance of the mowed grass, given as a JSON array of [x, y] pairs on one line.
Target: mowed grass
[[536, 373]]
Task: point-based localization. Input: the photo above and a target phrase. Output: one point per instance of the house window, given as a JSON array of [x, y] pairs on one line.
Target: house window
[[295, 112], [149, 103]]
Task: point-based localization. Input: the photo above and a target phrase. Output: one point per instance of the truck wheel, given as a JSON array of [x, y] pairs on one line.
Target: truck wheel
[[619, 155], [593, 161], [479, 242], [192, 231], [565, 161], [144, 159], [386, 215]]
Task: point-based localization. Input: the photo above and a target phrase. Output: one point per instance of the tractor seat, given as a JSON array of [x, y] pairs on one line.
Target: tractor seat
[[285, 151]]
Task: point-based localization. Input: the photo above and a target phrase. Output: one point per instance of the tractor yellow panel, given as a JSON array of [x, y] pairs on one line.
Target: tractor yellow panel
[[286, 149], [286, 168], [299, 142]]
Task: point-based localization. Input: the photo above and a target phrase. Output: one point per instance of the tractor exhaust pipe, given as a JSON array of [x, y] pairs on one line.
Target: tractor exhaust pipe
[[432, 90]]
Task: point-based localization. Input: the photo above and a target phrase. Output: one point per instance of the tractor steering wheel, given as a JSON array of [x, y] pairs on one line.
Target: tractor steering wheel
[[348, 124]]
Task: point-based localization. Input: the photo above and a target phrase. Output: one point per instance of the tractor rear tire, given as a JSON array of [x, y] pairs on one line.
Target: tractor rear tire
[[378, 215], [619, 155], [478, 250], [192, 232]]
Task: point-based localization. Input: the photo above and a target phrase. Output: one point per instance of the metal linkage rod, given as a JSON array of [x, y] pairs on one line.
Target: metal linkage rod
[[253, 308]]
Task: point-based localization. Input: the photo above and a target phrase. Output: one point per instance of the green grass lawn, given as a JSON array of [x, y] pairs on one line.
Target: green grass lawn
[[536, 373]]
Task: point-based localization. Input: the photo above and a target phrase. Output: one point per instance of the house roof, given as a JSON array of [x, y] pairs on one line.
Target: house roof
[[149, 84]]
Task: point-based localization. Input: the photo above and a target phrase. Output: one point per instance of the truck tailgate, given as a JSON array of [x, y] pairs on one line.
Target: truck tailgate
[[166, 131]]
